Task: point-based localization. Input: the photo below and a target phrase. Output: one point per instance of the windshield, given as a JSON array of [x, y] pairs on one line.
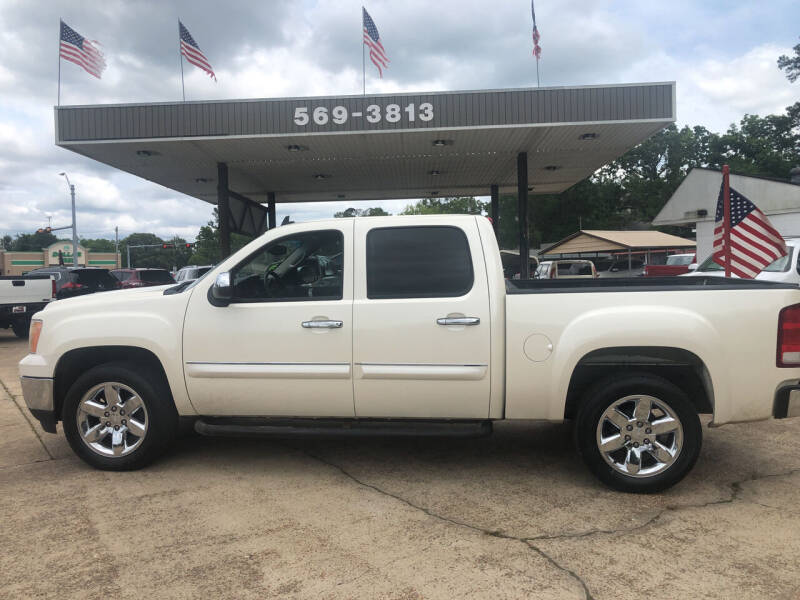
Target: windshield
[[782, 264], [678, 259], [156, 276]]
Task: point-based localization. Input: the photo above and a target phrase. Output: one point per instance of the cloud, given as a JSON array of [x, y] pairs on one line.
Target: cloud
[[723, 62]]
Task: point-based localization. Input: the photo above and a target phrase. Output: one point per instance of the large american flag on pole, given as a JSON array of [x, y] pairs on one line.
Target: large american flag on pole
[[755, 243], [77, 49], [372, 39], [192, 52]]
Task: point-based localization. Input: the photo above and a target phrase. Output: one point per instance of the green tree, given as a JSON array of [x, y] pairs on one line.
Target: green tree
[[361, 212], [98, 245], [207, 246], [791, 64], [467, 205], [33, 242], [7, 242]]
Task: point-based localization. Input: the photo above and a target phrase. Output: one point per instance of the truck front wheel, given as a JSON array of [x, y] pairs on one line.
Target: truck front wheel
[[638, 433], [119, 416]]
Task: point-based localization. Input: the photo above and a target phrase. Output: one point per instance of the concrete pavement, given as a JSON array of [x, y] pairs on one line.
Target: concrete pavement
[[515, 515]]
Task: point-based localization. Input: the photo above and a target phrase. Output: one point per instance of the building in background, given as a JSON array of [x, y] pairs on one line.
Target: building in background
[[694, 204], [17, 263]]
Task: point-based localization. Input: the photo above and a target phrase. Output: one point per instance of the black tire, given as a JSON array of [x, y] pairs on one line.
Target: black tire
[[162, 417], [21, 328], [601, 396]]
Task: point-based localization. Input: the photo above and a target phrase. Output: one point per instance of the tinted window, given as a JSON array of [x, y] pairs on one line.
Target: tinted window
[[418, 262], [122, 275], [98, 279], [156, 276], [304, 266]]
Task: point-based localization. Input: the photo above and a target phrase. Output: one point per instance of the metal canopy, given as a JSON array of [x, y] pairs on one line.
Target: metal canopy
[[372, 147], [609, 241]]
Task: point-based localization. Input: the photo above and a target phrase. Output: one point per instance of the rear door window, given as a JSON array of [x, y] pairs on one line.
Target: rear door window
[[156, 277], [99, 279], [418, 262]]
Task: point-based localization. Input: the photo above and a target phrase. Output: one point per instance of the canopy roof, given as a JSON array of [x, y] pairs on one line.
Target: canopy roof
[[609, 241], [372, 147]]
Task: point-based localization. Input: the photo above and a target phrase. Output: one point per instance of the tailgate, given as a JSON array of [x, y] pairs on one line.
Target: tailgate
[[25, 290]]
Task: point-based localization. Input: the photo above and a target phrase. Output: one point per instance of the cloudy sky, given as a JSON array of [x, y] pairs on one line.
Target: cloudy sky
[[721, 54]]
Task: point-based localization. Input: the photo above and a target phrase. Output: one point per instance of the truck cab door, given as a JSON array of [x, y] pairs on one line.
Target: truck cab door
[[283, 346], [422, 323]]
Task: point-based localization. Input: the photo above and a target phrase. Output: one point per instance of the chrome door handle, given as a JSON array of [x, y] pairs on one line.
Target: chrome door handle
[[458, 321], [322, 324]]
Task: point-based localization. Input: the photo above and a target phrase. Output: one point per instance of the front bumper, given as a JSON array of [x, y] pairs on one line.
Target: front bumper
[[787, 401], [38, 394]]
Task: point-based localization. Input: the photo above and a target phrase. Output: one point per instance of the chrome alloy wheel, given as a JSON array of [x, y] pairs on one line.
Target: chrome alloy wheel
[[112, 419], [639, 436]]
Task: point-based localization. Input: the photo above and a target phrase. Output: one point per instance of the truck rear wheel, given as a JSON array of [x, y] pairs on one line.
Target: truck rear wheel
[[21, 327], [638, 433], [119, 416]]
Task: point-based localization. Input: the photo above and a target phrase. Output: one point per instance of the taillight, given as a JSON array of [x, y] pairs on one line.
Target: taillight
[[72, 286], [53, 286], [33, 335], [789, 337]]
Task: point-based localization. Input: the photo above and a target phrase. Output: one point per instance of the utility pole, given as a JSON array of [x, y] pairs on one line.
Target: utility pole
[[116, 244], [74, 225]]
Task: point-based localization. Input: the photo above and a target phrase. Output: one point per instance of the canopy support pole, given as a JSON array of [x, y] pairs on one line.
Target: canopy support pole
[[522, 208], [224, 211]]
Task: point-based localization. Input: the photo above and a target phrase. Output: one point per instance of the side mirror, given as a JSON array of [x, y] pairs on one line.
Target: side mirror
[[221, 292], [693, 267]]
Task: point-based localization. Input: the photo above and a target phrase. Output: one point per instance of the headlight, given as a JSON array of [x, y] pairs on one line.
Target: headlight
[[35, 332]]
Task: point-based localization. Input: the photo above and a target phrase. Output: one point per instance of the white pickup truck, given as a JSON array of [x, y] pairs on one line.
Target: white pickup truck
[[21, 297], [405, 326]]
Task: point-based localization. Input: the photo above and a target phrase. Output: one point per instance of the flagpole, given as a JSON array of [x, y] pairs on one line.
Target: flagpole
[[537, 72], [363, 54], [180, 58], [726, 201], [58, 102]]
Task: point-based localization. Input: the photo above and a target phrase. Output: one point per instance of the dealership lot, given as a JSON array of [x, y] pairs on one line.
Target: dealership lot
[[513, 515]]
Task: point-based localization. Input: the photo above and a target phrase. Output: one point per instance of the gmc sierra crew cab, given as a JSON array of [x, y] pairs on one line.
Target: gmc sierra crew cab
[[406, 326]]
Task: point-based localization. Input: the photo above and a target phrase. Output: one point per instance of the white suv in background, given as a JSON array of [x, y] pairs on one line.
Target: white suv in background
[[783, 270], [191, 272]]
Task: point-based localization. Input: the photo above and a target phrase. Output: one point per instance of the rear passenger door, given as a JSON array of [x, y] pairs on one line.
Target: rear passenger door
[[421, 336]]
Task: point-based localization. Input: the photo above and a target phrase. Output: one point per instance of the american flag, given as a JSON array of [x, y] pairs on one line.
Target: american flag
[[754, 241], [192, 52], [77, 49], [373, 41], [537, 49]]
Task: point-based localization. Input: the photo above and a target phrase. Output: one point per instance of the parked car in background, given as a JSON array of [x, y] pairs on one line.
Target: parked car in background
[[192, 272], [79, 281], [565, 269], [140, 277], [784, 270], [677, 264], [20, 297], [622, 268]]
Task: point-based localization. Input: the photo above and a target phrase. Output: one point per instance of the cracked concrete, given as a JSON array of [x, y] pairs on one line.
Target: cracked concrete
[[512, 516]]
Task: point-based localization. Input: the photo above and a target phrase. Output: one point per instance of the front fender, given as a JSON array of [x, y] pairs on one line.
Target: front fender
[[153, 323]]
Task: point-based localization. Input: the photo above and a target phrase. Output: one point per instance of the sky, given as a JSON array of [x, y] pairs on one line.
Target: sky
[[721, 54]]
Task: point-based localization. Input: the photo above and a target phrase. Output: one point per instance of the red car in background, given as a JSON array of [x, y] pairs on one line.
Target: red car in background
[[677, 264], [131, 278]]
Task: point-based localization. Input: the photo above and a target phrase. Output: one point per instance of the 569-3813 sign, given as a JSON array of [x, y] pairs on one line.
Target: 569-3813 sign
[[338, 115]]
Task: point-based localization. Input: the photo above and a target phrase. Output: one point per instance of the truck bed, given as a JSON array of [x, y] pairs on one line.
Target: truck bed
[[637, 284]]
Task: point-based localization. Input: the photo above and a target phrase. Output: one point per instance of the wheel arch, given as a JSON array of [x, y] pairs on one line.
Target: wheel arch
[[79, 360], [679, 366]]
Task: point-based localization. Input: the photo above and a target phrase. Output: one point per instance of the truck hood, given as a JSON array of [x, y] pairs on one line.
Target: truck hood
[[111, 300]]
